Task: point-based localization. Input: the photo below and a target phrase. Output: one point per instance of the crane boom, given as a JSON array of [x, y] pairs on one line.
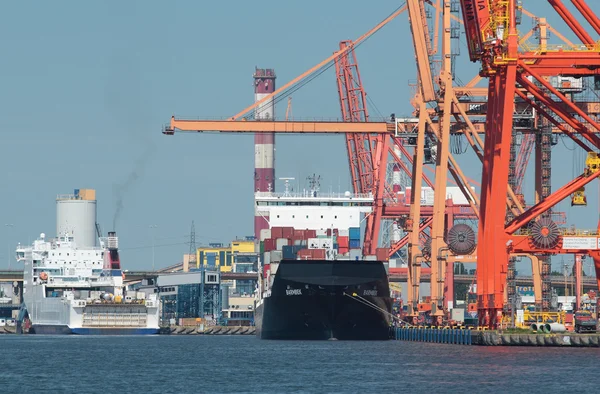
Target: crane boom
[[418, 26], [476, 17]]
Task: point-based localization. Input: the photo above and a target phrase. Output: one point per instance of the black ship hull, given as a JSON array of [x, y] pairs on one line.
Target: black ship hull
[[321, 300]]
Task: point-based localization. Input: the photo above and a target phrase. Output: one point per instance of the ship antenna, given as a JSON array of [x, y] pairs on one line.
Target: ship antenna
[[314, 182], [287, 185]]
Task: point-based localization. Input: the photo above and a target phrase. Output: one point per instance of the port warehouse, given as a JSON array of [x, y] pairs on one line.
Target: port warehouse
[[197, 293]]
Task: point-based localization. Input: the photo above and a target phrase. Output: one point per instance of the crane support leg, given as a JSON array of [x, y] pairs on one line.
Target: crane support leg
[[578, 272], [414, 255], [596, 257], [492, 254], [438, 246]]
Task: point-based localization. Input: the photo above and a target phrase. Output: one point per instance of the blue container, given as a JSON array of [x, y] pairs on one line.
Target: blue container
[[354, 244], [288, 252], [297, 248], [354, 233]]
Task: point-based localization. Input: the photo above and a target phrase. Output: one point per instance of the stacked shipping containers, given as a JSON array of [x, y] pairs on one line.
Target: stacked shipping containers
[[278, 243], [354, 243]]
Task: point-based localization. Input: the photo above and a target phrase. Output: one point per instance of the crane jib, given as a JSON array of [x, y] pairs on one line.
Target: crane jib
[[470, 8], [475, 14]]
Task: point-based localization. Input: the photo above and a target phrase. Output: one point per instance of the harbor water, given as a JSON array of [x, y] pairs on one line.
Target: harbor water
[[226, 364]]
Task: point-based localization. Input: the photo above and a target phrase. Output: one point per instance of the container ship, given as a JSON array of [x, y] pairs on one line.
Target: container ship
[[315, 282], [70, 288]]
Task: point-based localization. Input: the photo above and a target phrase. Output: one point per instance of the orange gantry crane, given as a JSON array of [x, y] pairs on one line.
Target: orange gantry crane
[[493, 41], [371, 147]]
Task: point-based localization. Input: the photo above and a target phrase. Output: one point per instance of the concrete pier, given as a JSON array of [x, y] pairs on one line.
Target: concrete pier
[[495, 338], [214, 330]]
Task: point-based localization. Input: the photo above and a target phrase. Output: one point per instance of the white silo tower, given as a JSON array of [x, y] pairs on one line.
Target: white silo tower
[[76, 214]]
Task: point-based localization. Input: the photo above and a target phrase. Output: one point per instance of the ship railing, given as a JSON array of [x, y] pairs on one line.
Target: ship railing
[[67, 197], [308, 194], [74, 281]]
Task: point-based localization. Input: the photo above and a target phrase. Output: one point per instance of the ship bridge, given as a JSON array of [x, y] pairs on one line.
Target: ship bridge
[[312, 209]]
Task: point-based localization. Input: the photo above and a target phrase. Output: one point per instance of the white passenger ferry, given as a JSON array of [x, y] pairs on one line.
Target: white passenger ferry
[[71, 290]]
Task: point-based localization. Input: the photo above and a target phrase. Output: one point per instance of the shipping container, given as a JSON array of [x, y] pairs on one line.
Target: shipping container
[[299, 234], [343, 250], [270, 244], [325, 243], [313, 243], [276, 232], [354, 243], [344, 232], [320, 232], [370, 257], [310, 234], [300, 242], [267, 267], [276, 256], [304, 254], [288, 252], [266, 258], [318, 254], [265, 233], [287, 232], [343, 241], [281, 242], [262, 247], [354, 233]]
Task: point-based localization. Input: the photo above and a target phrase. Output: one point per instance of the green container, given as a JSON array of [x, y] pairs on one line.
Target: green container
[[262, 247]]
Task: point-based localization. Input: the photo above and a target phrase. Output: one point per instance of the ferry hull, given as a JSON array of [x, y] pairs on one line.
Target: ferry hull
[[322, 300], [48, 329], [66, 330], [115, 331]]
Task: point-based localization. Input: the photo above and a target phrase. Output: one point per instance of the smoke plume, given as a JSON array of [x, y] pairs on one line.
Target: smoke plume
[[121, 189]]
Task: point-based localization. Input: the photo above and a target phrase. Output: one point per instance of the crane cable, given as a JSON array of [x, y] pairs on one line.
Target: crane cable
[[316, 74], [368, 303]]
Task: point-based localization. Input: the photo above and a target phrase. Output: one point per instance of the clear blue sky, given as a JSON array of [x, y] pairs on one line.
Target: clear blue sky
[[87, 87]]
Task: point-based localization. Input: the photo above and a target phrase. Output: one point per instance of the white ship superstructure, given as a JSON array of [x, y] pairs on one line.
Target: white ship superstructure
[[313, 209], [69, 289]]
